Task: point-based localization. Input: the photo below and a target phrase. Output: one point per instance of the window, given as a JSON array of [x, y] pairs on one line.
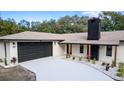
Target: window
[[109, 51], [81, 48]]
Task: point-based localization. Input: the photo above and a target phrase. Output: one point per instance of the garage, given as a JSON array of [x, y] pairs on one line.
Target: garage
[[33, 50]]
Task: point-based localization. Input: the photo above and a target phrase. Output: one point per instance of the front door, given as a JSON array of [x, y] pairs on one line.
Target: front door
[[95, 52]]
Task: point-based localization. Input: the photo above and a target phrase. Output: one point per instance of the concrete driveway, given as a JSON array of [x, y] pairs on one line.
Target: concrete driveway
[[57, 69]]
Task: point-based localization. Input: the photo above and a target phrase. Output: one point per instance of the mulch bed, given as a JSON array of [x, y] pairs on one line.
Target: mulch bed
[[17, 73]]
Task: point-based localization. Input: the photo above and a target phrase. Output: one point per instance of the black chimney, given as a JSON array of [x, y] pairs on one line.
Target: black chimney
[[94, 29]]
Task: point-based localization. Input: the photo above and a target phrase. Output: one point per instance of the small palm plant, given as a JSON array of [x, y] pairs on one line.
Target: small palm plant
[[80, 58], [73, 57], [93, 61], [1, 60], [121, 70], [112, 65], [5, 60]]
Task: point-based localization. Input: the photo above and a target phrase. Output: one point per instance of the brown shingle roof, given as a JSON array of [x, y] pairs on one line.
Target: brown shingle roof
[[97, 42], [30, 35], [111, 37]]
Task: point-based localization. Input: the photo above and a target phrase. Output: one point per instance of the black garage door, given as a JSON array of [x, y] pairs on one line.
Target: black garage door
[[33, 50]]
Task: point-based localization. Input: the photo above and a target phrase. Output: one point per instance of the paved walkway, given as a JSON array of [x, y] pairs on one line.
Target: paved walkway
[[57, 69]]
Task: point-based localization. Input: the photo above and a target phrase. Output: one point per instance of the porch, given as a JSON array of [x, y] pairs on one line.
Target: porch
[[99, 52]]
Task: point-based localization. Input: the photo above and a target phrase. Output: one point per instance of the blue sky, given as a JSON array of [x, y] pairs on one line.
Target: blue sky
[[43, 15], [35, 15]]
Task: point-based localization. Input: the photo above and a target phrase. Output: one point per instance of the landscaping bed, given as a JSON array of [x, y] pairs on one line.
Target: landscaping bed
[[17, 73]]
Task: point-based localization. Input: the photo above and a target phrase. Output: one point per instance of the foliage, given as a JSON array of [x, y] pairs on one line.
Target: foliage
[[93, 61], [13, 60], [9, 26], [67, 56], [1, 60], [112, 65], [5, 60], [121, 70], [121, 65], [24, 24], [110, 21], [80, 58], [73, 58]]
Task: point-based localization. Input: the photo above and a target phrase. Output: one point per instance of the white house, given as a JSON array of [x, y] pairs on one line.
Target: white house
[[29, 45]]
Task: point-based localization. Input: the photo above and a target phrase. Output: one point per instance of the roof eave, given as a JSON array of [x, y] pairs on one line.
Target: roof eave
[[31, 39], [115, 44]]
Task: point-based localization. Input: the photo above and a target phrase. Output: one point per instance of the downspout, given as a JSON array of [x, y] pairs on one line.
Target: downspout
[[5, 59]]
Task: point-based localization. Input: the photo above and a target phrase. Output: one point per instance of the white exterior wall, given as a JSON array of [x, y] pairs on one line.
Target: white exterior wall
[[120, 52], [2, 52], [58, 49], [13, 50], [76, 50], [102, 53], [8, 51]]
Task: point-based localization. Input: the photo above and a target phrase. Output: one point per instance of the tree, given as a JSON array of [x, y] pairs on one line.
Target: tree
[[112, 21], [72, 24], [9, 26], [24, 24], [35, 25]]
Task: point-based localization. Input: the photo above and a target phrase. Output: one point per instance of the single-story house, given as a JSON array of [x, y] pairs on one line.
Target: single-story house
[[29, 45]]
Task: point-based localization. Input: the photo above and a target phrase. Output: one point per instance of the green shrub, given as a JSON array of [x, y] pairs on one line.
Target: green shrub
[[5, 60], [121, 70], [93, 61], [1, 60], [119, 74], [112, 65], [73, 58], [80, 58], [121, 65]]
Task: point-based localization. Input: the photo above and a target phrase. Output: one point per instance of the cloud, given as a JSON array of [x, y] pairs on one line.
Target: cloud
[[91, 13]]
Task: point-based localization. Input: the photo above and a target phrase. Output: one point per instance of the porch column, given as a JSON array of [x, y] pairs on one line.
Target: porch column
[[69, 49], [115, 56], [89, 49]]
